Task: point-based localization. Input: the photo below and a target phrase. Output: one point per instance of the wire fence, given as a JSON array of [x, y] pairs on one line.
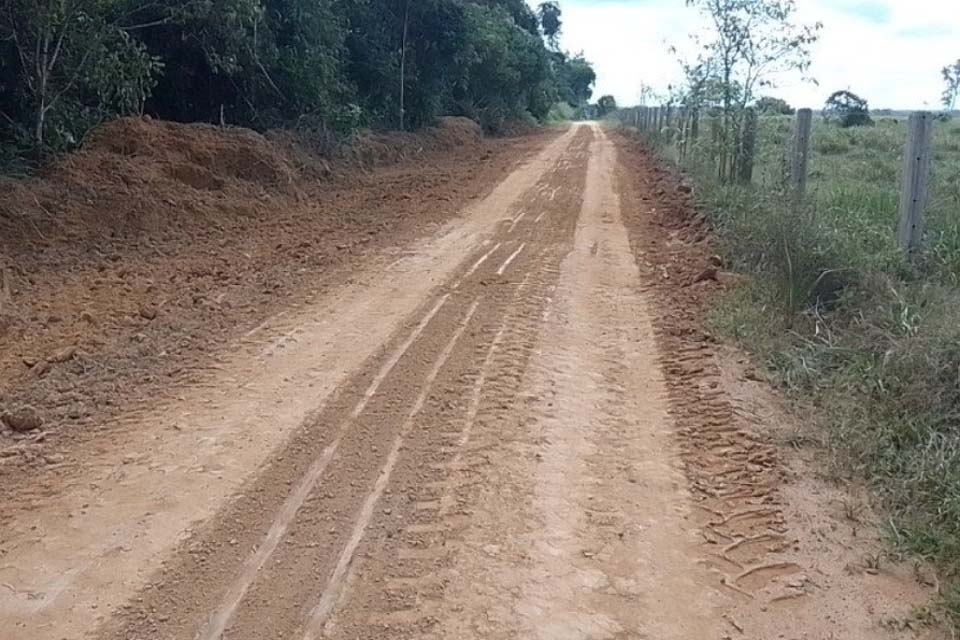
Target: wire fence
[[894, 186]]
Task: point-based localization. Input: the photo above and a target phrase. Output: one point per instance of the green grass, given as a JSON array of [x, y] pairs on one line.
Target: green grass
[[858, 335]]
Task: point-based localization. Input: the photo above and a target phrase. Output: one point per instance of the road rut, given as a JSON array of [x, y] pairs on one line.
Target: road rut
[[492, 453]]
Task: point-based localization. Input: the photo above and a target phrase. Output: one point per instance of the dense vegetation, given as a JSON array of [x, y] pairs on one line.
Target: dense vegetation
[[333, 65]]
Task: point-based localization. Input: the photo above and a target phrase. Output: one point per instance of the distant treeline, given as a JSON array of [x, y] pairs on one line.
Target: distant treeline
[[333, 65]]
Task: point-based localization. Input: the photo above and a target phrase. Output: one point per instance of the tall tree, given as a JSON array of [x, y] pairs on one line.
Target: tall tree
[[577, 78], [78, 64]]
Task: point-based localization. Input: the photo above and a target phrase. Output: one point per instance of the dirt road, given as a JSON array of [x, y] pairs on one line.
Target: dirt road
[[484, 438]]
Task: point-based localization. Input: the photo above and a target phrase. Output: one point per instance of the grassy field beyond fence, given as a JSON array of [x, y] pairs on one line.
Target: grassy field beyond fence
[[865, 340]]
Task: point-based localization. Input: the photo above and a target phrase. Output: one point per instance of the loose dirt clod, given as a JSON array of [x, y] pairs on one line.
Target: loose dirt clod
[[22, 419], [62, 355]]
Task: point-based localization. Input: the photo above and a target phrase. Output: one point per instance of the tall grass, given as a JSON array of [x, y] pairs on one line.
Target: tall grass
[[865, 341]]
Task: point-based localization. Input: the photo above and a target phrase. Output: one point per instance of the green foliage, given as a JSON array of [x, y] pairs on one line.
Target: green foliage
[[847, 109], [747, 44], [549, 15], [332, 65], [575, 78], [951, 81], [76, 64], [770, 106], [606, 105], [508, 72], [560, 112]]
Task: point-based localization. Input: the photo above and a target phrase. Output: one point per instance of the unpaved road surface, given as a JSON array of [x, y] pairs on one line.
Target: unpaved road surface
[[505, 432]]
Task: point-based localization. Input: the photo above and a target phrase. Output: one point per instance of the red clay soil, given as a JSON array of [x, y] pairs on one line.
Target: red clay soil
[[778, 534], [731, 469], [130, 262]]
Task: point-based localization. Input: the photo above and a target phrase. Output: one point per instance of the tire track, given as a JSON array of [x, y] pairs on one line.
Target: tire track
[[404, 572], [331, 592], [288, 562], [214, 629], [733, 474]]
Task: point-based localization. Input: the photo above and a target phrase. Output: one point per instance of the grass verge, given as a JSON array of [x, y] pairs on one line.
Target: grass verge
[[865, 342]]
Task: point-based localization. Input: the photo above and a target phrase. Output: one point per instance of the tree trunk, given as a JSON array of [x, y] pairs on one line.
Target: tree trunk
[[38, 132]]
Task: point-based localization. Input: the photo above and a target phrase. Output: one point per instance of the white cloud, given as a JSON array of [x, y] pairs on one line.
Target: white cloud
[[888, 51]]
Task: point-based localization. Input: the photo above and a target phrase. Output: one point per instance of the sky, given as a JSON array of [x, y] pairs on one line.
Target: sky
[[887, 51]]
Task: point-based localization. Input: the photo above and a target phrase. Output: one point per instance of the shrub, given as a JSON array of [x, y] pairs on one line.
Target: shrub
[[847, 109]]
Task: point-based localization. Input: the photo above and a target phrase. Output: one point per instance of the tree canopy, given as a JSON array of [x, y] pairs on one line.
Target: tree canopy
[[339, 64], [606, 104], [746, 45], [769, 105]]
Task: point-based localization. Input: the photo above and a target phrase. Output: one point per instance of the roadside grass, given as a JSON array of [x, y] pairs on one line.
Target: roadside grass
[[865, 342]]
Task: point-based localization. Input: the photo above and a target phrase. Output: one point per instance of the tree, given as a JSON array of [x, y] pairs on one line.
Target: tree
[[328, 66], [951, 78], [78, 65], [576, 78], [768, 105], [847, 109], [508, 73], [606, 104], [747, 45], [549, 15]]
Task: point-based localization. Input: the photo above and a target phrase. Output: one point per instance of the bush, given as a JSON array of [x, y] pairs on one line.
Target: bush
[[847, 109]]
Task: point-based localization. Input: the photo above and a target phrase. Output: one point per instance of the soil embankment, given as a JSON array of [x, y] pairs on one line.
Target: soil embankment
[[129, 263]]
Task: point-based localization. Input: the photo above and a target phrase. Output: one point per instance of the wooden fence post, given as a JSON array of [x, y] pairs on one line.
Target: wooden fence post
[[748, 143], [800, 156], [913, 191]]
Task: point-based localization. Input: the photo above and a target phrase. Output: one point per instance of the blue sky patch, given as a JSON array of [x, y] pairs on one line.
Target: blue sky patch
[[875, 12]]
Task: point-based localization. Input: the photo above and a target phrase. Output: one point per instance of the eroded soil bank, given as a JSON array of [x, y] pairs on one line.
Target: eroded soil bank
[[131, 263]]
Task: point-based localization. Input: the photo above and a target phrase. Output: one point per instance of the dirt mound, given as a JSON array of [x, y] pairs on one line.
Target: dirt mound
[[187, 150], [379, 148], [123, 265], [458, 130], [137, 175]]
